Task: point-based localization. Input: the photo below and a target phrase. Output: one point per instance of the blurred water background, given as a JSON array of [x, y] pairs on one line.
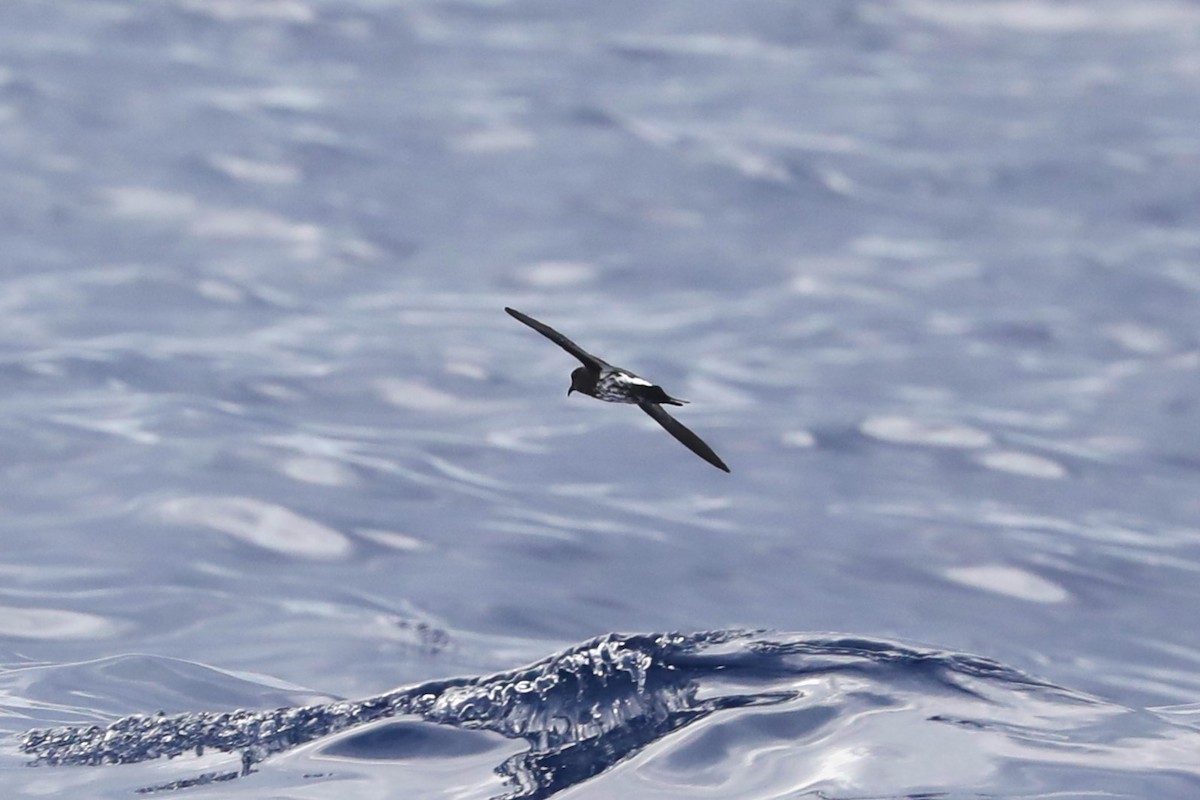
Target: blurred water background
[[927, 270]]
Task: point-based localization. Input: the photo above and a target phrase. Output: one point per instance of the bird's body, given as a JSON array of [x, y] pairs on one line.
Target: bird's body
[[601, 380], [616, 385]]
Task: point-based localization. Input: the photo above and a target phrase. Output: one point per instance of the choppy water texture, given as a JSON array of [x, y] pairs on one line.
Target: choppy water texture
[[773, 716], [926, 270]]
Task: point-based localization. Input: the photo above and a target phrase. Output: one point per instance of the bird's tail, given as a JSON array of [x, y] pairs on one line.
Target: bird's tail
[[658, 395]]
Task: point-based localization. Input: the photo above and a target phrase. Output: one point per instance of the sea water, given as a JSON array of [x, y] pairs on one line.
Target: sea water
[[292, 508]]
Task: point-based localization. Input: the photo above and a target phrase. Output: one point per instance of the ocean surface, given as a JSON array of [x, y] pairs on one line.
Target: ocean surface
[[290, 507]]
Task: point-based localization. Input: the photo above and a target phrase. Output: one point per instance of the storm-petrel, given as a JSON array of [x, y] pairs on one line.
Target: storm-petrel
[[603, 381]]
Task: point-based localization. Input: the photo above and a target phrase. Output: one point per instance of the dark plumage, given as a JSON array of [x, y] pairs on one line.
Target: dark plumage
[[597, 378]]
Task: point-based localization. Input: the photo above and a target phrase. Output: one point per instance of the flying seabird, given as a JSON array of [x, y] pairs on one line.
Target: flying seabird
[[597, 378]]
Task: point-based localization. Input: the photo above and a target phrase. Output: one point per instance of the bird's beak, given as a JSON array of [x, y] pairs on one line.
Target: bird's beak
[[570, 390]]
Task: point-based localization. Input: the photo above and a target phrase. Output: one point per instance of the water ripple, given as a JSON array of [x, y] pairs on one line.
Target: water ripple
[[845, 716], [265, 525]]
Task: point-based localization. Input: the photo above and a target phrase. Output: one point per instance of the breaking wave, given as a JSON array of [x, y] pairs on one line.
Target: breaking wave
[[771, 713]]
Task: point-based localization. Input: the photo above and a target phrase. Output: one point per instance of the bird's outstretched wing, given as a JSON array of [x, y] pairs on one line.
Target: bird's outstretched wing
[[677, 429], [589, 360]]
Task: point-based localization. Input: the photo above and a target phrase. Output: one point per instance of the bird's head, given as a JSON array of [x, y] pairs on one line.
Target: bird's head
[[579, 380]]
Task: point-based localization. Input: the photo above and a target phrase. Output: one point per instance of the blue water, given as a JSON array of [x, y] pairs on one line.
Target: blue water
[[928, 272]]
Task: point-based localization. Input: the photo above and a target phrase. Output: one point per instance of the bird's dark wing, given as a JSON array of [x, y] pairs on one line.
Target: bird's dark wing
[[589, 360], [677, 429]]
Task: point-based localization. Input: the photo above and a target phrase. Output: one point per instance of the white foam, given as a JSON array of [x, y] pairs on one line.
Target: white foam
[[393, 539], [53, 623], [890, 247], [297, 99], [1047, 17], [798, 438], [252, 10], [252, 223], [263, 172], [466, 369], [220, 292], [1027, 464], [276, 391], [150, 204], [1139, 339], [319, 471], [417, 396], [262, 524], [554, 274], [903, 430], [1010, 581], [125, 427]]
